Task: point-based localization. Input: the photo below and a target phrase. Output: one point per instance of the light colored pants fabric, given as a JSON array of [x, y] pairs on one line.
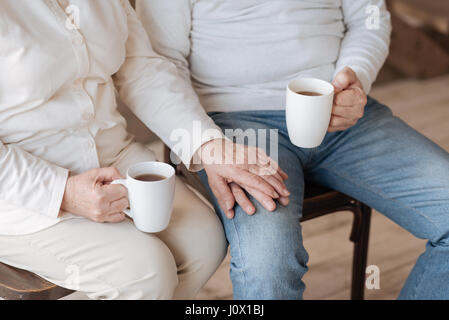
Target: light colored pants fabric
[[116, 261]]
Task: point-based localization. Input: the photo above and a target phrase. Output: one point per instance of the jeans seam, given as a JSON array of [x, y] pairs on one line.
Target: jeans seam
[[309, 159], [379, 193], [241, 256], [414, 293]]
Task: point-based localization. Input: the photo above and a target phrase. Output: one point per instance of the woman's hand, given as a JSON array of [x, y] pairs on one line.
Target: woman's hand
[[231, 167], [91, 195]]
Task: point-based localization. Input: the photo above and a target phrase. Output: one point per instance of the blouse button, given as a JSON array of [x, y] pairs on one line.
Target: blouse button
[[87, 116], [63, 3], [78, 41]]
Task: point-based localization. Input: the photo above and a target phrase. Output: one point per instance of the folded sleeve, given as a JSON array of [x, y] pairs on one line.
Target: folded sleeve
[[153, 88], [31, 183], [366, 43]]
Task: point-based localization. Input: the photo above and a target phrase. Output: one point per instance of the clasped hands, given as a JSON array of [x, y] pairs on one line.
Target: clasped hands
[[233, 171]]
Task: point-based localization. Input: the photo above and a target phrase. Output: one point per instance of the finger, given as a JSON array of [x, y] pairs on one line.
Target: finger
[[250, 155], [275, 180], [339, 122], [261, 171], [273, 170], [114, 192], [242, 199], [279, 171], [266, 161], [352, 113], [351, 97], [230, 214], [278, 185], [274, 167], [284, 201], [258, 170], [223, 194], [118, 205], [344, 79], [115, 218], [278, 176], [108, 174], [346, 98], [337, 129], [245, 177], [266, 201], [263, 159], [283, 174]]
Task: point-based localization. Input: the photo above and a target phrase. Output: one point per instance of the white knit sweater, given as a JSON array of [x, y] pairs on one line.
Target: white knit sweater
[[240, 54]]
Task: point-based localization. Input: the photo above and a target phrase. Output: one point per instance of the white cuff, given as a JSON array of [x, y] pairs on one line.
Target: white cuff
[[60, 181]]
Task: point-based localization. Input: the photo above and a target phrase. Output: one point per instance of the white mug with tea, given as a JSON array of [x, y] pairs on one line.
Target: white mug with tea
[[308, 111], [151, 191]]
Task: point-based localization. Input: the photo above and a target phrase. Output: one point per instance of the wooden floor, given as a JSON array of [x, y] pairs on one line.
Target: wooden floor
[[425, 106]]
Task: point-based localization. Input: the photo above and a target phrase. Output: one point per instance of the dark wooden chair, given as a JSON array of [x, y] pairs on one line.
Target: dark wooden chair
[[16, 284]]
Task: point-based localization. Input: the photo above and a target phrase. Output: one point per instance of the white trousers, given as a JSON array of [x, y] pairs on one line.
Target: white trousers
[[116, 261]]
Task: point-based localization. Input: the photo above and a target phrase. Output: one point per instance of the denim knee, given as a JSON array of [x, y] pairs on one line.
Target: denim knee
[[268, 257]]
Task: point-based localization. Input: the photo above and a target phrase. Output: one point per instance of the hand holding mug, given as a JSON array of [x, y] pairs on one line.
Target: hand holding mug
[[92, 196], [349, 102]]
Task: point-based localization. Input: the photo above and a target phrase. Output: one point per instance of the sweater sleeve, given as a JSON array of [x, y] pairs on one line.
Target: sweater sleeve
[[366, 43], [154, 89], [168, 25]]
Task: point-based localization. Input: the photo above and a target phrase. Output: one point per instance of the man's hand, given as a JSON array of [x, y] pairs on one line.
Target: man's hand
[[231, 167], [349, 102], [91, 195]]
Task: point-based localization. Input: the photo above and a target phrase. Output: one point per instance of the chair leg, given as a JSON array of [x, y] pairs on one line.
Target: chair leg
[[360, 237]]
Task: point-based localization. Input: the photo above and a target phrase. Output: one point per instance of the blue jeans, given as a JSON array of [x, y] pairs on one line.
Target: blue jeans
[[382, 162]]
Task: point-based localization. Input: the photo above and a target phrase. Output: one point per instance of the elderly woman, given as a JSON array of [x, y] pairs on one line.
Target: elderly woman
[[62, 142]]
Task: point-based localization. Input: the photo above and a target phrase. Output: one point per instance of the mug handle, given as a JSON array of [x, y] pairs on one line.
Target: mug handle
[[123, 183]]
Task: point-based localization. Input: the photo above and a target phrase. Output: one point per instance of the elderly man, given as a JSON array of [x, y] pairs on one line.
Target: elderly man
[[239, 56]]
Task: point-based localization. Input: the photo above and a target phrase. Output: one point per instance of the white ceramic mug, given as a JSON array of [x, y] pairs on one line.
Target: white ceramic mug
[[308, 117], [151, 202]]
